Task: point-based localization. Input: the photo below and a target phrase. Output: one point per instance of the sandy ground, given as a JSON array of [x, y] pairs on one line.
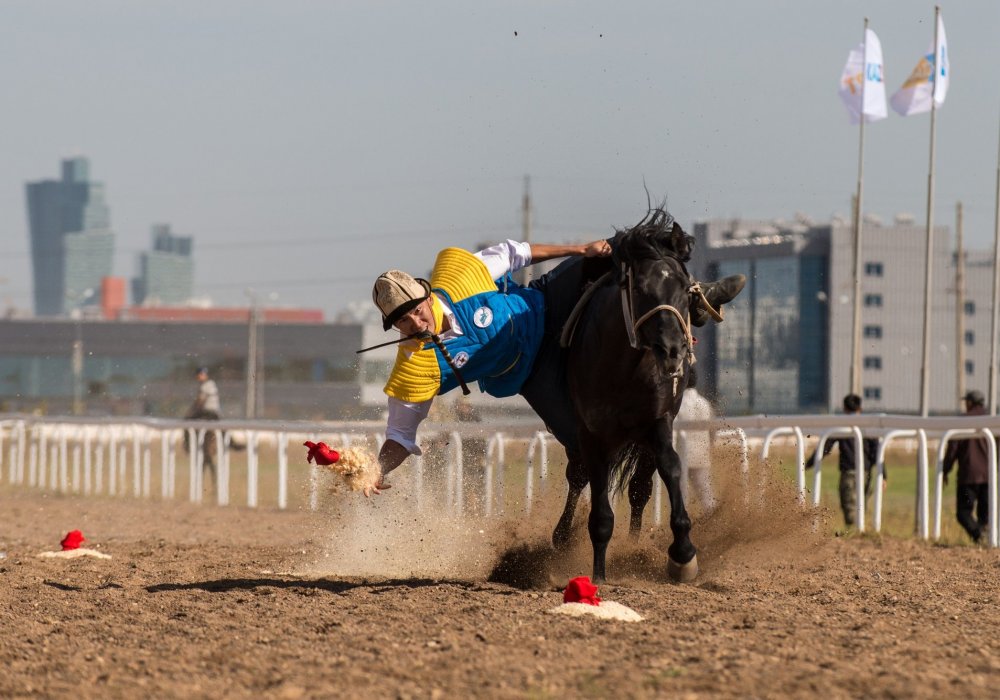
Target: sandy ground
[[374, 599]]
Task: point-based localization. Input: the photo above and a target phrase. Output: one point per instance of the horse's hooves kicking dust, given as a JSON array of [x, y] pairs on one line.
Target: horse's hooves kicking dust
[[682, 573]]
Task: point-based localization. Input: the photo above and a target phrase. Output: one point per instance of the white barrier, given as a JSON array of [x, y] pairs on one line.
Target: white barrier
[[70, 455]]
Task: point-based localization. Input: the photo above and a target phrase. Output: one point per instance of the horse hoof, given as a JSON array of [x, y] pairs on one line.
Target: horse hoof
[[682, 573]]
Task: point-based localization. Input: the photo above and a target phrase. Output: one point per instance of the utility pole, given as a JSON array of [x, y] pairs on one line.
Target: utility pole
[[77, 366], [959, 306], [251, 400], [526, 225], [76, 355]]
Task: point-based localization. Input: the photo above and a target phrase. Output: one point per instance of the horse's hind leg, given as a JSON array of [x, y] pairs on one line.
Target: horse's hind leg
[[640, 488], [576, 475], [682, 564]]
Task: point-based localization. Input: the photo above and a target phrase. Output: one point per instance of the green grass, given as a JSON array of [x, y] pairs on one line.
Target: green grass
[[899, 502]]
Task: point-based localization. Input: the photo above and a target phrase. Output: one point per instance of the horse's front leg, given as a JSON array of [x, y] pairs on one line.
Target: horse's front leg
[[640, 488], [601, 523], [576, 476], [682, 562]]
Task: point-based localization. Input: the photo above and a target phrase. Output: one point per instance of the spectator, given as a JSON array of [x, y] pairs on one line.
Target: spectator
[[972, 491], [206, 406], [848, 463]]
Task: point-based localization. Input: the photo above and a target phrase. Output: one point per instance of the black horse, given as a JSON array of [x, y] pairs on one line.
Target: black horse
[[628, 358]]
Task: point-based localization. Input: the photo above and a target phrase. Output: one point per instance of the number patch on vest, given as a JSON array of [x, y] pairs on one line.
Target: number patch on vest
[[461, 358], [483, 317]]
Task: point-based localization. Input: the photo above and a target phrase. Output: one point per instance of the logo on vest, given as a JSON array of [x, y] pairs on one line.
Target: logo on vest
[[483, 316], [461, 358]]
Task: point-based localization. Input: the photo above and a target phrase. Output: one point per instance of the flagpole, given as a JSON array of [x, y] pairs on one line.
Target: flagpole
[[996, 292], [925, 368], [959, 307], [858, 219]]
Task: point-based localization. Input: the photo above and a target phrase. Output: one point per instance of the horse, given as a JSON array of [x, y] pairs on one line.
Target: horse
[[627, 361]]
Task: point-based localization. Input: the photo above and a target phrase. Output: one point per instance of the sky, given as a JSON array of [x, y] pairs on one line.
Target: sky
[[309, 146]]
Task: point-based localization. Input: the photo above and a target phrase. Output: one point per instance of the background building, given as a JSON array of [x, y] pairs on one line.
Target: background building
[[785, 346], [166, 273], [770, 354], [71, 242]]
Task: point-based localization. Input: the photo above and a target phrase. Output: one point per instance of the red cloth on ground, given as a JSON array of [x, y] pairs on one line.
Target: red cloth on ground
[[72, 540], [581, 590], [322, 453]]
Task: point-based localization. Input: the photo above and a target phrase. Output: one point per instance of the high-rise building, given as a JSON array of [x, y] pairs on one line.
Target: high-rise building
[[72, 245], [166, 273], [770, 354], [786, 343]]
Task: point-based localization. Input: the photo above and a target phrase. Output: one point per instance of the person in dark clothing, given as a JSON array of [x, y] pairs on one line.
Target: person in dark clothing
[[848, 461], [973, 459]]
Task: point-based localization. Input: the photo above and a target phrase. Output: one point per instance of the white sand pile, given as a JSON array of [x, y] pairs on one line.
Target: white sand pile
[[74, 554], [607, 610], [357, 466]]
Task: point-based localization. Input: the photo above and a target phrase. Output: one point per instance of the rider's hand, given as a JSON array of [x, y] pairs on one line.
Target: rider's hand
[[597, 249], [378, 487]]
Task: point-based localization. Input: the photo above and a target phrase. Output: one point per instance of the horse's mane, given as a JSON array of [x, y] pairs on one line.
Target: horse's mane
[[657, 235]]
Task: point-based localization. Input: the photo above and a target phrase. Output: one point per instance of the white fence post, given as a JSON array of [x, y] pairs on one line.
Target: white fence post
[[991, 481], [252, 463], [282, 470]]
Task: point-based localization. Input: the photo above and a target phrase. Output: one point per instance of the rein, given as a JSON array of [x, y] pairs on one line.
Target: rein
[[434, 338]]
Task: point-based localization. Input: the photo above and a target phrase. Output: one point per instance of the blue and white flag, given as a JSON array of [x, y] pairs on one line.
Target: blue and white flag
[[861, 86], [929, 80]]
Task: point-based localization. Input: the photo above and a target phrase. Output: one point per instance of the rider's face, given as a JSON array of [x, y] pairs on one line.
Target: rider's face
[[419, 318]]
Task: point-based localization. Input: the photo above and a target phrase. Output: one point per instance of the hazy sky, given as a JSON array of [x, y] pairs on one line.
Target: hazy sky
[[308, 146]]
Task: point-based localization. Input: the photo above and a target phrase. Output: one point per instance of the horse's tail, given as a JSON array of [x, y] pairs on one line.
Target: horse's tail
[[630, 459]]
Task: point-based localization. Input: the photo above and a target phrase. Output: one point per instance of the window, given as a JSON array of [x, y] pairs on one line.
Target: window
[[970, 368], [970, 308], [873, 269], [873, 300], [970, 337], [873, 362], [873, 392], [873, 331]]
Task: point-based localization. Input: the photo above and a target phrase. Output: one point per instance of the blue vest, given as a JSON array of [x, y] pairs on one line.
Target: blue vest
[[501, 334]]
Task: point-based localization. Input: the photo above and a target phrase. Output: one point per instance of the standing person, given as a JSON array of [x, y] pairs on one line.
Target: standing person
[[848, 463], [491, 330], [206, 406], [972, 491], [696, 446]]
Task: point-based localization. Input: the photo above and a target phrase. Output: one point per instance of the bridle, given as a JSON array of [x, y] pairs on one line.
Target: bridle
[[632, 324]]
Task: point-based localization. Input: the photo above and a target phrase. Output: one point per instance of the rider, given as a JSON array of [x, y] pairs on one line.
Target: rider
[[495, 332]]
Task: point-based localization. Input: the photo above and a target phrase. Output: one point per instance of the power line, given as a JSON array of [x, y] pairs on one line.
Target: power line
[[312, 240]]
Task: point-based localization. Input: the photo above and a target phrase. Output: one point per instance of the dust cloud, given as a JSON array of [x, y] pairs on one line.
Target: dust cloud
[[410, 531]]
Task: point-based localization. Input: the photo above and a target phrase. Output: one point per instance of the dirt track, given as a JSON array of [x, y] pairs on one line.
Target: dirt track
[[210, 602]]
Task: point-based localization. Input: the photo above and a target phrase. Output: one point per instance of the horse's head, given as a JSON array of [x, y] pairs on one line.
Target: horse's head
[[656, 288]]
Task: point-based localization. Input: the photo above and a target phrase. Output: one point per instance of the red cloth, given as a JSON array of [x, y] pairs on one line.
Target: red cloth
[[72, 540], [581, 590], [322, 453]]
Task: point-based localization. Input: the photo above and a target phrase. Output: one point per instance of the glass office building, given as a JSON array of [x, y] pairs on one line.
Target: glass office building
[[71, 242], [770, 353]]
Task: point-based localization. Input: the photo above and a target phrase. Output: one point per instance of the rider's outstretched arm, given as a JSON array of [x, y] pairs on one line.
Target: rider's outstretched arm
[[541, 252]]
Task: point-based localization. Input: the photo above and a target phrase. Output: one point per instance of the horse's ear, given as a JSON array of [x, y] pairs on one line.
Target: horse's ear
[[619, 248], [681, 242]]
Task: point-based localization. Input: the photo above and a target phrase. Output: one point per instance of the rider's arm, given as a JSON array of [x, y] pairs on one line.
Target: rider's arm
[[400, 437], [511, 256], [595, 249]]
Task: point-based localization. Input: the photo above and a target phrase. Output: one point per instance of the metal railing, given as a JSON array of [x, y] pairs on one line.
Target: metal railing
[[113, 456]]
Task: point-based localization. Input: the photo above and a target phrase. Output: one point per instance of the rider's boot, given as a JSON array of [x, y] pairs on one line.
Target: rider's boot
[[717, 293]]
